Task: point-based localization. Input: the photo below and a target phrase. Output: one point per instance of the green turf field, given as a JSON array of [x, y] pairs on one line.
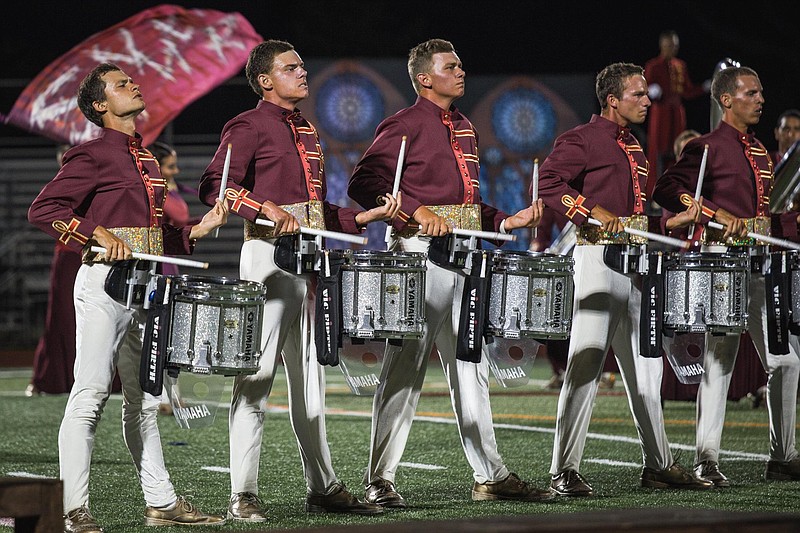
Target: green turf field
[[434, 476]]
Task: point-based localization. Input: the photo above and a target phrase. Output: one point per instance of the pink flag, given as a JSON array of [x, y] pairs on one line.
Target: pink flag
[[177, 55]]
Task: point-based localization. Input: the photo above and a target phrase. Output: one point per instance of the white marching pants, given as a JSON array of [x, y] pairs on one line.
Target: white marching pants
[[108, 338], [606, 313], [782, 380], [288, 329], [403, 373]]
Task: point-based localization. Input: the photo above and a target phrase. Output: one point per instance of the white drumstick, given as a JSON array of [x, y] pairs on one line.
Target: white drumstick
[[764, 238], [398, 171], [535, 193], [678, 243], [699, 189], [159, 258], [224, 183], [488, 235], [321, 233]]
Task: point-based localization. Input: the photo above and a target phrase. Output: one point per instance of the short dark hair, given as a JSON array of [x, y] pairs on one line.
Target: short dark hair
[[93, 89], [262, 59], [725, 80], [420, 58], [611, 80], [794, 113], [160, 150]]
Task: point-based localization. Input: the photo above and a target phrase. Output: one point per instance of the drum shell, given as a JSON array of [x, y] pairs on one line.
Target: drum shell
[[793, 259], [708, 284], [383, 294], [215, 325], [536, 286]]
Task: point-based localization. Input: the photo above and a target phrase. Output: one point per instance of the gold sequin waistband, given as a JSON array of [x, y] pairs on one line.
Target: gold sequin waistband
[[310, 215], [139, 240], [461, 216], [590, 234], [761, 225]]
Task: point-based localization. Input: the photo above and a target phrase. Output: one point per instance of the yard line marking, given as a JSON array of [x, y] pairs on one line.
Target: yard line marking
[[422, 466], [535, 429], [27, 474], [610, 462], [221, 469]]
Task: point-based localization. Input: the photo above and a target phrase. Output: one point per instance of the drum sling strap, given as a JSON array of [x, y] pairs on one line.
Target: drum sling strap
[[474, 303], [328, 327], [156, 337], [778, 288], [651, 319]]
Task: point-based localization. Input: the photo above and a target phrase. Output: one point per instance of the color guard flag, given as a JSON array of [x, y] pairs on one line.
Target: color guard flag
[[177, 55]]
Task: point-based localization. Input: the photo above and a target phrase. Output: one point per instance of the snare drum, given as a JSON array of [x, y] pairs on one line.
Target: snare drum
[[215, 325], [706, 292], [383, 294], [530, 296], [793, 260]]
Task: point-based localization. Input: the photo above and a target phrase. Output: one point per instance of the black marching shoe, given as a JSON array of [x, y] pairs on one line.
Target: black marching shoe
[[510, 488], [339, 500], [710, 470], [246, 507], [570, 483], [674, 477], [80, 520], [783, 470], [382, 492]]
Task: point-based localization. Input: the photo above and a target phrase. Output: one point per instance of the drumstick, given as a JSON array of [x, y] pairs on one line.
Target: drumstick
[[488, 235], [759, 237], [398, 171], [224, 184], [321, 232], [678, 243], [158, 258], [535, 194], [699, 189]]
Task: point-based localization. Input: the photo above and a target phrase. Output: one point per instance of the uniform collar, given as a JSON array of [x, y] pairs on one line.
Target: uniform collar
[[732, 133], [429, 107], [123, 139], [276, 110], [619, 132]]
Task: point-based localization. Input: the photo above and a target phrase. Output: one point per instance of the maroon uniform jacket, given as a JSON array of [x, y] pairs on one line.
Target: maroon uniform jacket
[[439, 162], [111, 182], [275, 156], [589, 166], [737, 179]]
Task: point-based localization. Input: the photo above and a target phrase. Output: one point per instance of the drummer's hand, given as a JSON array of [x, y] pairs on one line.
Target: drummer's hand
[[430, 223], [388, 207], [116, 248], [687, 217], [526, 218], [734, 226], [284, 221], [611, 222], [216, 217]]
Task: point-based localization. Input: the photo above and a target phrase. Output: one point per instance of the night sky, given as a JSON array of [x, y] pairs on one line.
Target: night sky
[[491, 37]]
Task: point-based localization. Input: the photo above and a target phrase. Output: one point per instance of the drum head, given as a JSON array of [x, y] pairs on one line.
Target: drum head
[[195, 398], [685, 355], [361, 365], [511, 360]]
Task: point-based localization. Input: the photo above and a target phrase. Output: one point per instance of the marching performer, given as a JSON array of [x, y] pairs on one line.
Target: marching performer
[[735, 193], [277, 172], [109, 192], [441, 191], [598, 170]]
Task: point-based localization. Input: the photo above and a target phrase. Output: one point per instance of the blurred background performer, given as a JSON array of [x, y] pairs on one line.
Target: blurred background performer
[[599, 170], [787, 131], [441, 191], [277, 172], [668, 85]]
